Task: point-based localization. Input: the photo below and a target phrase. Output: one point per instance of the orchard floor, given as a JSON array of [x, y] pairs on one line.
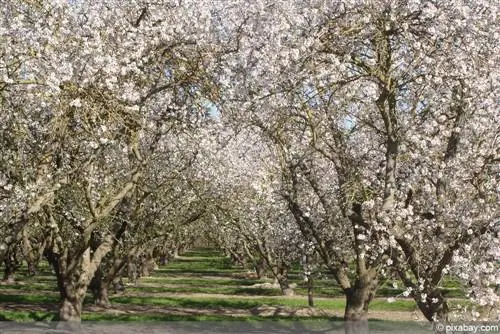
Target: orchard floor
[[200, 285]]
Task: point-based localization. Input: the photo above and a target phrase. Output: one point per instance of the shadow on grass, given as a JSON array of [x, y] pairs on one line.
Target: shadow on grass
[[173, 317], [190, 272], [183, 302], [202, 282], [31, 299], [29, 287], [210, 290], [23, 316]]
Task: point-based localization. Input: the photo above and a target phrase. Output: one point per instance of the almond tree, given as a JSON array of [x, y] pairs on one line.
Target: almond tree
[[357, 86], [86, 85], [399, 78]]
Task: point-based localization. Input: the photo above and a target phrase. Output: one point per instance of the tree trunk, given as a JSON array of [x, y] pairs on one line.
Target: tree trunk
[[358, 299], [71, 308], [11, 265], [147, 265], [282, 278], [310, 292], [260, 268], [9, 272], [99, 288], [72, 294], [74, 276], [31, 254], [434, 307], [101, 296], [117, 284], [132, 269]]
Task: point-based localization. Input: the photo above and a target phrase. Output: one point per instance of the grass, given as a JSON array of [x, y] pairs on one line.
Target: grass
[[29, 299], [201, 281], [212, 290], [337, 304], [29, 316], [197, 272]]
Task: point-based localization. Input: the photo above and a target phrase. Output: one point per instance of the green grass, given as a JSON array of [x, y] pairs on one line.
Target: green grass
[[173, 317], [30, 316], [29, 298], [32, 286], [211, 302], [207, 282], [27, 316], [211, 290], [188, 275]]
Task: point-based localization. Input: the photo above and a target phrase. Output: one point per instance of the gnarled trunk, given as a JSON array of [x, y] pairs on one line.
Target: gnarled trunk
[[9, 272], [71, 307], [434, 307], [101, 297], [310, 291], [74, 275], [260, 268], [72, 294], [147, 265], [99, 288], [358, 299], [11, 265], [132, 269], [282, 278]]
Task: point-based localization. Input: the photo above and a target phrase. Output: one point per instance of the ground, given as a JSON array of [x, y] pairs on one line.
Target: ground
[[201, 285]]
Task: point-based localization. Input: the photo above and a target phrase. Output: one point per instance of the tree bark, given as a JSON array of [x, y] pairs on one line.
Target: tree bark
[[71, 307], [310, 291], [99, 288], [9, 272], [358, 299], [434, 307], [101, 297], [147, 265], [282, 278], [11, 265], [74, 275], [260, 268], [132, 269]]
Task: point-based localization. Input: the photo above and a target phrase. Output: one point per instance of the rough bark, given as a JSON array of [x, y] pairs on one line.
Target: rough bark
[[310, 291], [434, 307], [99, 288], [358, 299], [11, 265], [132, 269], [282, 277], [9, 272], [74, 275], [71, 307], [147, 265], [72, 296], [260, 268]]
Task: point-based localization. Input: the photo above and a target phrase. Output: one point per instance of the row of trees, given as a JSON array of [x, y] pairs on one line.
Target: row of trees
[[360, 137]]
